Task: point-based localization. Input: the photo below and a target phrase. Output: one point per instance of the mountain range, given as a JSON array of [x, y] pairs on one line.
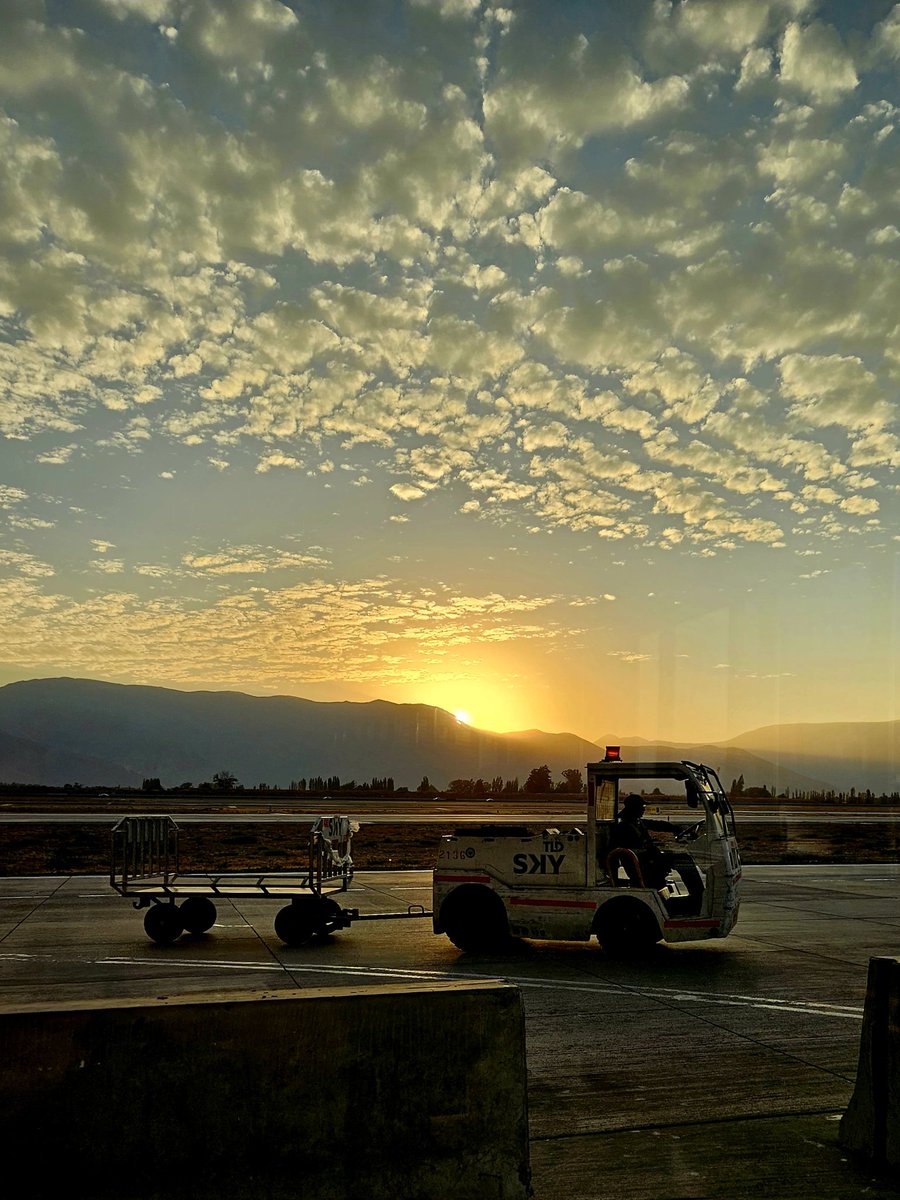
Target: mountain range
[[54, 731]]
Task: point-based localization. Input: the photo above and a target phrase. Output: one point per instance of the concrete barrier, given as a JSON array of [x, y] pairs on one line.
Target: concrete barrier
[[871, 1124], [383, 1093]]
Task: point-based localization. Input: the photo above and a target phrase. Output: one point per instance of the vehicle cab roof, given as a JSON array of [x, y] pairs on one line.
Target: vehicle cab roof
[[616, 769]]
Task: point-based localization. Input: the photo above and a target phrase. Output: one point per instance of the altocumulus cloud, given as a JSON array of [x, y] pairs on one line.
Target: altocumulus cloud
[[626, 272]]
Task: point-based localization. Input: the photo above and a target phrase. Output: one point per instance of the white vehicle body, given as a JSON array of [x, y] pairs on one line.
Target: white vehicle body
[[496, 881]]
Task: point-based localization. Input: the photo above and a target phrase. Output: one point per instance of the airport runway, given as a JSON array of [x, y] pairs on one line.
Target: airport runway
[[693, 1072], [381, 813]]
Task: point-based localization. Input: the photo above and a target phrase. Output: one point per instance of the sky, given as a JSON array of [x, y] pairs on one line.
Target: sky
[[536, 361]]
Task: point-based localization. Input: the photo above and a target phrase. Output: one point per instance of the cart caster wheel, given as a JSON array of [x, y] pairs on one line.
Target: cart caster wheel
[[163, 923], [198, 914], [329, 914]]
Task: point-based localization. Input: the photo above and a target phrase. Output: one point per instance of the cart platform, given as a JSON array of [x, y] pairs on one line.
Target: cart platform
[[145, 866]]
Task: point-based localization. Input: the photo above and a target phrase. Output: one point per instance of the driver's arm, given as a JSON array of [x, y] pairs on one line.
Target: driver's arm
[[661, 826]]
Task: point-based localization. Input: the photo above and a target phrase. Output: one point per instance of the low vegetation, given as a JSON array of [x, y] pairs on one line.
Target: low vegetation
[[83, 849]]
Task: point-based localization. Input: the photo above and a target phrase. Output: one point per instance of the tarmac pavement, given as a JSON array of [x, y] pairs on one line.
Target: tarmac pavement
[[714, 1069]]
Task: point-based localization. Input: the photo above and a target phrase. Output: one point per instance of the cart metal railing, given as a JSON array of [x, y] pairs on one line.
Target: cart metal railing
[[144, 847], [145, 861]]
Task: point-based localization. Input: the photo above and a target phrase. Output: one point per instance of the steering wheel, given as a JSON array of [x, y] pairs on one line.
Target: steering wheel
[[690, 832]]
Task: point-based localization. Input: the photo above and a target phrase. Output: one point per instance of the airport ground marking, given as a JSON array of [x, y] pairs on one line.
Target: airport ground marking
[[821, 1008]]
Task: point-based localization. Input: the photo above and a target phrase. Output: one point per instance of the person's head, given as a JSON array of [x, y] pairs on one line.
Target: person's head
[[633, 806]]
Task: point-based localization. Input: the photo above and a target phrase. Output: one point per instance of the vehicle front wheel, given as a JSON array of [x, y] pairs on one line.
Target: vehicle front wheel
[[474, 919], [626, 928]]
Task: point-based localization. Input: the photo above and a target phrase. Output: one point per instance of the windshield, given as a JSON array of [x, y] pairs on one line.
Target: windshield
[[713, 793], [668, 798], [664, 799]]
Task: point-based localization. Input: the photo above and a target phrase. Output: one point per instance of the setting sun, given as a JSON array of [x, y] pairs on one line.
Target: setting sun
[[462, 716]]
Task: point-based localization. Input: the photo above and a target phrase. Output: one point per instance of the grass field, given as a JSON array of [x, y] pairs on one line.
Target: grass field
[[84, 849]]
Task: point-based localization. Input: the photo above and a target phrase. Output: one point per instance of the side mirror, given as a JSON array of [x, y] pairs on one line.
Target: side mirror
[[693, 800]]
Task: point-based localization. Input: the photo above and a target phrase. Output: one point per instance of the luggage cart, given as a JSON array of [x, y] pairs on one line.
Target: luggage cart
[[145, 866]]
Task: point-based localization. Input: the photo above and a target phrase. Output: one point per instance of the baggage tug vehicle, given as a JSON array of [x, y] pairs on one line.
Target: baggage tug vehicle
[[493, 882]]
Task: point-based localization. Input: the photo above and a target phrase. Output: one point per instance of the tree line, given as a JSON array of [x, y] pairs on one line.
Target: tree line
[[739, 791], [539, 782]]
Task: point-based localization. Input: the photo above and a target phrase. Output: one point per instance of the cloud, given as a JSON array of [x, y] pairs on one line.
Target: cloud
[[250, 560], [800, 160], [406, 491], [357, 631], [886, 37], [834, 390], [628, 278], [814, 62], [689, 393], [277, 459], [11, 496], [25, 564], [450, 9], [756, 69], [629, 656], [544, 436], [713, 30], [540, 110]]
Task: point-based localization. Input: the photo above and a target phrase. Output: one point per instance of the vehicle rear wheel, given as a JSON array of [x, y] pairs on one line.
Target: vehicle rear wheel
[[198, 913], [474, 919], [626, 928], [163, 924]]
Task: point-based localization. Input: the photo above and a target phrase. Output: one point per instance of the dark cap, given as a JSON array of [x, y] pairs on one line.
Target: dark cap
[[633, 801]]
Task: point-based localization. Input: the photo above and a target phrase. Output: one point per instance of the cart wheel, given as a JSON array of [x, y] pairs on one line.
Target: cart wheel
[[298, 922], [329, 912], [198, 913], [163, 923]]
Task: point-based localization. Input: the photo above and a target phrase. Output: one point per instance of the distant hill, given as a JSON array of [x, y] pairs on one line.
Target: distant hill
[[728, 761], [140, 732], [860, 754], [26, 761], [56, 731], [830, 756]]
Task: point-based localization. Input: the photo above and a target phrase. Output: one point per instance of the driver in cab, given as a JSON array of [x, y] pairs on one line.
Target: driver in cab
[[632, 832]]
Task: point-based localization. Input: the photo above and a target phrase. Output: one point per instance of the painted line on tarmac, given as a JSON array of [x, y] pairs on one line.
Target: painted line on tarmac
[[289, 968], [206, 962], [826, 1007], [818, 1008]]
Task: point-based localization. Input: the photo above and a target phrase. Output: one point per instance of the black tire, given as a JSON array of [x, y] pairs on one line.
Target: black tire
[[198, 913], [329, 917], [299, 922], [475, 920], [163, 924], [626, 928]]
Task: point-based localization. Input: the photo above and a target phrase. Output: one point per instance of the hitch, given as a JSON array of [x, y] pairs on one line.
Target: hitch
[[414, 910]]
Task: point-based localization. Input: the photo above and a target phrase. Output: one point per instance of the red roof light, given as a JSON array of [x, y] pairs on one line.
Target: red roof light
[[612, 754]]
